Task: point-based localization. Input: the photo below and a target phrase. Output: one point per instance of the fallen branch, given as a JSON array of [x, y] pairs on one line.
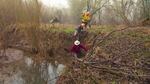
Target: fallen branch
[[103, 39], [120, 72]]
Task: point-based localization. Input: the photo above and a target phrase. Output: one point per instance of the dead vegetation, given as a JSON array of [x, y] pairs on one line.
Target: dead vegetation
[[145, 22], [122, 58], [120, 55]]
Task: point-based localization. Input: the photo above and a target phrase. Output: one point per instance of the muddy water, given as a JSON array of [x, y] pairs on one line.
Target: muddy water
[[20, 69]]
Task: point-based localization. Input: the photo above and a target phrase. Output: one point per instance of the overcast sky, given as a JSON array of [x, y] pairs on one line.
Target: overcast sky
[[56, 3]]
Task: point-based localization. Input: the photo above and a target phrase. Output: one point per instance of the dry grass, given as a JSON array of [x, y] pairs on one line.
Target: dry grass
[[20, 27], [14, 12], [123, 57], [47, 43]]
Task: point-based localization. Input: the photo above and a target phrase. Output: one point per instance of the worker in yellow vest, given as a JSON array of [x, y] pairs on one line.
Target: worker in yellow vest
[[86, 17]]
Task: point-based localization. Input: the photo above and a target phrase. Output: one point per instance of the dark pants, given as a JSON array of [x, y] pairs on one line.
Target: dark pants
[[79, 55]]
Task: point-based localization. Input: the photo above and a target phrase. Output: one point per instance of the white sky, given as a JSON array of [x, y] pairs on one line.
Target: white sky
[[56, 3]]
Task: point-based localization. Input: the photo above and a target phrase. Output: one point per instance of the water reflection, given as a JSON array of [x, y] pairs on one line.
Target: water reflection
[[44, 73], [28, 61], [15, 79], [30, 72]]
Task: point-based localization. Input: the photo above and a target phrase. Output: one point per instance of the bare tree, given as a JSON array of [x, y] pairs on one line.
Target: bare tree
[[124, 9], [96, 6], [146, 8], [76, 7]]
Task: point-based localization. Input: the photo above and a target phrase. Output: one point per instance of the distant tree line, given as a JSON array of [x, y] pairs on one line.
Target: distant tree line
[[103, 11], [113, 11]]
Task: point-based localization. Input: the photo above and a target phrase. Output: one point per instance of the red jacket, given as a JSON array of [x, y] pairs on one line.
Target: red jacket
[[77, 48]]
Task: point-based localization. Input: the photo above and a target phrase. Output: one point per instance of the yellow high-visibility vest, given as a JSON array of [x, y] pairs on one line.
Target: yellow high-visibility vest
[[86, 17]]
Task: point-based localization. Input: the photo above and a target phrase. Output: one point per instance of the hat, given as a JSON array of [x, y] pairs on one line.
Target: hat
[[77, 42], [82, 24]]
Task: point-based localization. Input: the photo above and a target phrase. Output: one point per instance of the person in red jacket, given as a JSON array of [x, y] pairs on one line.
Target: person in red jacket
[[77, 49]]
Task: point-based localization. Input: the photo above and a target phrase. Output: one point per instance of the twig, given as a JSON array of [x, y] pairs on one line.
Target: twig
[[103, 39], [120, 73]]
